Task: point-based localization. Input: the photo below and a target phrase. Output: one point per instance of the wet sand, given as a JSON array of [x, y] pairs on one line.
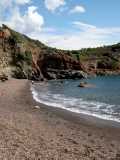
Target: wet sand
[[31, 133]]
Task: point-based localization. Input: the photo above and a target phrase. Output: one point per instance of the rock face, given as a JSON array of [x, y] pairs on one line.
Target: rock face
[[57, 66], [65, 74], [101, 60], [33, 60]]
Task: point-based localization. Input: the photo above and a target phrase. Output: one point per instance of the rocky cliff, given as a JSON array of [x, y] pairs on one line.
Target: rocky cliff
[[23, 57], [100, 61]]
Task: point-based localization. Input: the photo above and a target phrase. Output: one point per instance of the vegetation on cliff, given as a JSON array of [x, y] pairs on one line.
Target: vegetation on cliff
[[101, 59]]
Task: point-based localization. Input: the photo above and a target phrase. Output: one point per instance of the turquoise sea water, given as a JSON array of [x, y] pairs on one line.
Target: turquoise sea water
[[101, 101]]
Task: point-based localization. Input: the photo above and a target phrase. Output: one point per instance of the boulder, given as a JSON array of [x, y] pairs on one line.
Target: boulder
[[64, 74], [78, 74], [3, 77], [85, 85], [51, 75]]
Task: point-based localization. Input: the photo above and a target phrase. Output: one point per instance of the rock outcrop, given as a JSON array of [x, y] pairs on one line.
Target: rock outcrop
[[65, 74]]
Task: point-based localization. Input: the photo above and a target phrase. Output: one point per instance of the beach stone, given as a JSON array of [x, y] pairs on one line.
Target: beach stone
[[118, 156], [3, 77], [66, 150]]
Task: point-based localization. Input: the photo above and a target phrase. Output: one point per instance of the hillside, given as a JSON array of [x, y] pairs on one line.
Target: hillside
[[101, 60], [22, 57]]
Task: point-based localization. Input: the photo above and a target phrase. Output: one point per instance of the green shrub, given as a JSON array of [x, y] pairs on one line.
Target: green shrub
[[115, 64], [24, 57], [28, 57]]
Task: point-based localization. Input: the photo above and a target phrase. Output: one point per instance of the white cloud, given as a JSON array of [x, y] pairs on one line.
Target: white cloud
[[7, 7], [28, 23], [83, 26], [8, 4], [84, 36], [52, 5], [22, 2], [31, 22], [101, 31], [78, 9], [4, 5]]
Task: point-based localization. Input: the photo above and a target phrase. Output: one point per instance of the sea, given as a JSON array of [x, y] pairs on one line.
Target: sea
[[101, 101]]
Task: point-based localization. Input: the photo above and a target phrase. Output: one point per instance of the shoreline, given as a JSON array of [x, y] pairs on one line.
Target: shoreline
[[93, 118], [48, 133], [81, 119]]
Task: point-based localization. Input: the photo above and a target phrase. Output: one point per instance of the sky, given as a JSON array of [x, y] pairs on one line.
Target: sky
[[64, 24]]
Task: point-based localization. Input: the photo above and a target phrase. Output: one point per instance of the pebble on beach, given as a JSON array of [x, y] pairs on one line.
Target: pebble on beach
[[37, 107]]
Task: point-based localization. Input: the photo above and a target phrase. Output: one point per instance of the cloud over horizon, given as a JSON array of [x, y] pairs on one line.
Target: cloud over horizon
[[29, 22], [84, 36], [26, 17], [52, 5], [78, 9]]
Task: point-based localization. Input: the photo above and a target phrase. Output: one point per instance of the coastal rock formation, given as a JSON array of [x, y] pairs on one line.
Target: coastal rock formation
[[33, 60], [22, 57], [65, 74], [101, 60]]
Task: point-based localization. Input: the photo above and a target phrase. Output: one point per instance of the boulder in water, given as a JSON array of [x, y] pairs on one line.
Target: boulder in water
[[85, 85]]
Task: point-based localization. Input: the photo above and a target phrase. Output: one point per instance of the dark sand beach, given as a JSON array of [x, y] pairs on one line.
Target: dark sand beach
[[45, 133]]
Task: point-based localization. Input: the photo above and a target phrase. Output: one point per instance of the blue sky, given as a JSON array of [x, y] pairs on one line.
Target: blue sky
[[65, 24]]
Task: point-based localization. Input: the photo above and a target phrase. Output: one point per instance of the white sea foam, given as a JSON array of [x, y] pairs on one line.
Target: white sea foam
[[91, 108]]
